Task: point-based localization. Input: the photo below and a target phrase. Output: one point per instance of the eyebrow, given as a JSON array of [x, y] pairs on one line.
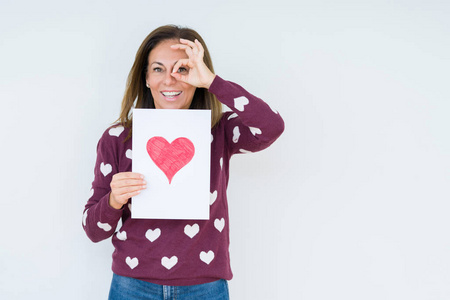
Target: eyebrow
[[161, 64]]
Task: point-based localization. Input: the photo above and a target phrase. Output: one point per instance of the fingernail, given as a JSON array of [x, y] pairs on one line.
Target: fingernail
[[144, 186]]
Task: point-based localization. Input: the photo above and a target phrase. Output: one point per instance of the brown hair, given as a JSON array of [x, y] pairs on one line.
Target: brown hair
[[136, 90]]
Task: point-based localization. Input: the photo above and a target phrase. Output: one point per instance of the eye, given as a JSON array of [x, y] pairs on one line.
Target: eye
[[157, 69], [182, 70]]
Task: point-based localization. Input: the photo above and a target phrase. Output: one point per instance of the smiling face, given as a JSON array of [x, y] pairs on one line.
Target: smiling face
[[167, 91]]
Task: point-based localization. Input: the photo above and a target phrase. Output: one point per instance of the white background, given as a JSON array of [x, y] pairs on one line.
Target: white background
[[351, 202]]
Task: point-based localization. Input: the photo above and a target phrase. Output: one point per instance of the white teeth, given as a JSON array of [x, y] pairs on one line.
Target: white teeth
[[171, 94]]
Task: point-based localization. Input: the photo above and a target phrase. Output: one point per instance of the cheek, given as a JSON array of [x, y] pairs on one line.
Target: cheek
[[153, 83], [189, 89]]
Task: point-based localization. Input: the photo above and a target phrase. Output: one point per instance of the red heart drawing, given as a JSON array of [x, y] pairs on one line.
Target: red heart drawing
[[170, 157]]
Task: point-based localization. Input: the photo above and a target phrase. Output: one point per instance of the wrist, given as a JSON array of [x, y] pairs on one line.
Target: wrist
[[114, 204], [210, 81]]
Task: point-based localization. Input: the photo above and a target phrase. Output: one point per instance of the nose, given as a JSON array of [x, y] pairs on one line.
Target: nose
[[169, 79]]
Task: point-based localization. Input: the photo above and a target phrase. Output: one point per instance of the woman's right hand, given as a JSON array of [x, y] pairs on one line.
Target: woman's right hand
[[124, 186]]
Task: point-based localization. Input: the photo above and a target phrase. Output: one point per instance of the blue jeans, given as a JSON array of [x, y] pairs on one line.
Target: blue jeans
[[126, 288]]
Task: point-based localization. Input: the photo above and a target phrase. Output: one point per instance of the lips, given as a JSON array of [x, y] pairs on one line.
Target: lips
[[171, 95]]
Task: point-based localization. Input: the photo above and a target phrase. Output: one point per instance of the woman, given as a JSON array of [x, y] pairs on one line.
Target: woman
[[186, 259]]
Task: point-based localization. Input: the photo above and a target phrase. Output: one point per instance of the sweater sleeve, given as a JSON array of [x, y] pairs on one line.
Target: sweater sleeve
[[99, 218], [253, 125]]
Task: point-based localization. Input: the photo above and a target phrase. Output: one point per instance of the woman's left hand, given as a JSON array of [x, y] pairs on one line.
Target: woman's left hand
[[197, 73]]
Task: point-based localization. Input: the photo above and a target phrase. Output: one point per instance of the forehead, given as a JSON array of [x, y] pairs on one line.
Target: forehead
[[162, 53]]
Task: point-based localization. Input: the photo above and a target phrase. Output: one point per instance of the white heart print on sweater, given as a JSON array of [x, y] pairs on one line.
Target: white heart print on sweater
[[132, 262], [129, 154], [104, 226], [232, 116], [219, 224], [105, 169], [116, 131], [191, 231], [212, 197], [240, 102], [152, 235], [168, 263], [207, 257], [236, 134], [244, 151], [255, 130], [85, 217], [122, 235]]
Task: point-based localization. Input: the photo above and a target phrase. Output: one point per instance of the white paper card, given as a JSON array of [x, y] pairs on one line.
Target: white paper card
[[171, 148]]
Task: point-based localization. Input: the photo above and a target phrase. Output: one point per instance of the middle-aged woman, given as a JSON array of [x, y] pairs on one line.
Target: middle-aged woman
[[174, 259]]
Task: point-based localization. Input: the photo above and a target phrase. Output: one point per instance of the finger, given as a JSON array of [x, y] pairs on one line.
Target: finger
[[178, 46], [122, 195], [192, 45], [133, 182], [187, 49], [182, 62], [123, 175], [197, 52], [200, 46], [180, 77], [123, 199], [127, 183], [128, 189], [126, 177]]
